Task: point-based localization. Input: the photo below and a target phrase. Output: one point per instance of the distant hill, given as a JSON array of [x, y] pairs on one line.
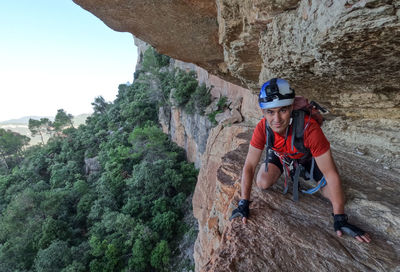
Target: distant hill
[[80, 119], [20, 125], [24, 120]]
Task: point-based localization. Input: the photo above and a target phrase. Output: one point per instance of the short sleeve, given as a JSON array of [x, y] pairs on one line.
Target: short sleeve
[[258, 139], [315, 139]]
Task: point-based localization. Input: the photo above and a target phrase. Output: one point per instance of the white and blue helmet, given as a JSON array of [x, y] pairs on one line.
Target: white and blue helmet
[[275, 93]]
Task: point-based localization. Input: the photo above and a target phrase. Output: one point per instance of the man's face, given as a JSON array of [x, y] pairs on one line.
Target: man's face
[[278, 118]]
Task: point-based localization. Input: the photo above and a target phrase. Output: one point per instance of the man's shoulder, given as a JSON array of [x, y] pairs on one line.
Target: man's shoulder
[[308, 118], [314, 137], [311, 125], [261, 122], [260, 125], [258, 138]]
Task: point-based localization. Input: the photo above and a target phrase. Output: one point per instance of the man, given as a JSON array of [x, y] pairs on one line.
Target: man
[[276, 101]]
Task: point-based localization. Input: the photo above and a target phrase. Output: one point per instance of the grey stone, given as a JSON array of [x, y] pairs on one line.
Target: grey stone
[[92, 166]]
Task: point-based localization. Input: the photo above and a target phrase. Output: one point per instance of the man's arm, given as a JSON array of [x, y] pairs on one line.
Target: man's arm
[[334, 192], [252, 159]]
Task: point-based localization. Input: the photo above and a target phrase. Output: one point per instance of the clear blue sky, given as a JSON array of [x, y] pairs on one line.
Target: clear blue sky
[[54, 54]]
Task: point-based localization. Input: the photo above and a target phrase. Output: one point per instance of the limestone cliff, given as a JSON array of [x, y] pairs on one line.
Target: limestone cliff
[[282, 235], [342, 53]]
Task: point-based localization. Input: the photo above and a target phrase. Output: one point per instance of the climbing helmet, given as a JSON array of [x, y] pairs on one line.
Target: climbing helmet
[[275, 93]]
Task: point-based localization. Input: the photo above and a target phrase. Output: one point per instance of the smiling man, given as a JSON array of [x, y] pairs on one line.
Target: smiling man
[[303, 152]]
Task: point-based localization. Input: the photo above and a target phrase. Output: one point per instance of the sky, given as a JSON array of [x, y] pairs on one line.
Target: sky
[[56, 55]]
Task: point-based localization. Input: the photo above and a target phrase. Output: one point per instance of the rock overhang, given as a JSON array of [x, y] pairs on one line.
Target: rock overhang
[[326, 49]]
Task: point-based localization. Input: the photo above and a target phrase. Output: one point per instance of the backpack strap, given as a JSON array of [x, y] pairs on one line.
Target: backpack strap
[[312, 168], [269, 143], [298, 131]]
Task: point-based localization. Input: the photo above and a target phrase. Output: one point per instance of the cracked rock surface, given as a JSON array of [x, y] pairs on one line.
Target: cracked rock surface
[[285, 236]]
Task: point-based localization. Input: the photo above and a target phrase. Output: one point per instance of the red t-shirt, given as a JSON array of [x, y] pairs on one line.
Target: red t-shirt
[[314, 139]]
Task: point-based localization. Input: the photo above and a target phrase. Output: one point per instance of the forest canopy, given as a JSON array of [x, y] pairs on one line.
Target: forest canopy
[[110, 195]]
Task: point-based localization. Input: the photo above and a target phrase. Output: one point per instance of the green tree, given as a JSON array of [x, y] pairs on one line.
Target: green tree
[[186, 84], [160, 256], [165, 224], [54, 258], [52, 230], [138, 261], [62, 120], [20, 228], [100, 105], [11, 144], [139, 105], [41, 127], [113, 257], [56, 217]]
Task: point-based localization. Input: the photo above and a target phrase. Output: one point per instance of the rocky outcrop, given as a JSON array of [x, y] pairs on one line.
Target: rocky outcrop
[[189, 131], [333, 51], [282, 235], [92, 166], [330, 50], [212, 198], [345, 55]]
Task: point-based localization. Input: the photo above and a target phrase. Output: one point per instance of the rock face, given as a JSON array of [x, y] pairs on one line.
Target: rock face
[[188, 131], [282, 235], [343, 54], [92, 166], [192, 131], [329, 50]]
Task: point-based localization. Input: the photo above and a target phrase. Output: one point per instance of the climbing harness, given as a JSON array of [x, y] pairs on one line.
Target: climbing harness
[[294, 168]]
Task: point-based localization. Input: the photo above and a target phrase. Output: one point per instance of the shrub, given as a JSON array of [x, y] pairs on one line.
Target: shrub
[[221, 107], [152, 60], [199, 100], [167, 80], [186, 84]]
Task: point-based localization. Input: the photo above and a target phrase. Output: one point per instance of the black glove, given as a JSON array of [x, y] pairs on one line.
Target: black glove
[[340, 223], [242, 209]]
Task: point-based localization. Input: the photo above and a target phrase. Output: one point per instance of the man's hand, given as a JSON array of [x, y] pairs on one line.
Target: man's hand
[[241, 211], [340, 224]]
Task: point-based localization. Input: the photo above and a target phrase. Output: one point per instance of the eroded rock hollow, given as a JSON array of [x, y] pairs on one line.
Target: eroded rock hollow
[[344, 54]]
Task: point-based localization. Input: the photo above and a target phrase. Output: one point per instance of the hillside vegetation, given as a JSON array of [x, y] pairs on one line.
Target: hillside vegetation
[[126, 208]]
